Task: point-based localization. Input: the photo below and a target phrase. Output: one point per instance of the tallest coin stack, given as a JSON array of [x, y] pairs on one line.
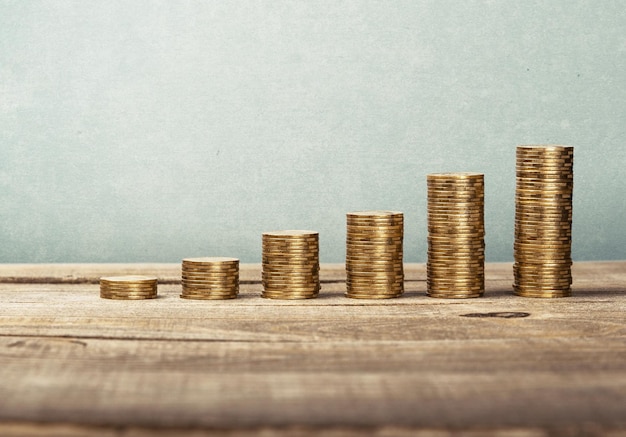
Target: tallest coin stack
[[543, 221]]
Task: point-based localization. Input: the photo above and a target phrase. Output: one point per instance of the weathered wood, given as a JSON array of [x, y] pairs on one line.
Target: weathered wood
[[74, 363]]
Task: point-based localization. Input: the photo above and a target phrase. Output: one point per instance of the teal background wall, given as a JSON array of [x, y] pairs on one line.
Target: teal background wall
[[157, 130]]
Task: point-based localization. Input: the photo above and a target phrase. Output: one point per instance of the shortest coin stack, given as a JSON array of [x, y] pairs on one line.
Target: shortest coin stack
[[210, 278], [129, 287], [291, 265]]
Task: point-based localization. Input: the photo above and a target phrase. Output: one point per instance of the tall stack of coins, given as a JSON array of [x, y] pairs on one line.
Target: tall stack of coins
[[291, 265], [456, 235], [210, 278], [374, 267], [129, 287], [543, 221]]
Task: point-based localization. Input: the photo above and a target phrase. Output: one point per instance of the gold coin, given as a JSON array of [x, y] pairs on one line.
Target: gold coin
[[129, 289], [374, 214], [376, 287], [210, 286], [456, 263], [214, 296], [291, 289], [475, 240], [455, 176], [353, 250], [455, 210], [205, 292], [288, 296], [202, 294], [454, 295], [286, 250], [126, 293], [291, 233], [554, 267], [545, 148], [373, 276], [118, 297], [475, 192], [221, 274], [129, 278], [211, 260], [304, 282], [543, 176], [375, 236]]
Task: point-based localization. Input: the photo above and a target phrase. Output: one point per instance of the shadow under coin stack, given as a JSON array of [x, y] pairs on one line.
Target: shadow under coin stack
[[374, 253], [543, 221], [210, 278], [456, 235], [291, 265], [129, 287]]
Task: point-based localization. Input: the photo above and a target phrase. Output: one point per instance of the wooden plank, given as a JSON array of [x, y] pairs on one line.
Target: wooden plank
[[76, 310], [538, 383], [90, 366], [61, 310], [19, 429]]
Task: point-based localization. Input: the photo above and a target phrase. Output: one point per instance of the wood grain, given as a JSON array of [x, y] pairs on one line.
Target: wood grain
[[75, 364]]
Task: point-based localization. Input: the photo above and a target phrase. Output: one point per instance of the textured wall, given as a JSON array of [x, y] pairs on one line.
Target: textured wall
[[155, 130]]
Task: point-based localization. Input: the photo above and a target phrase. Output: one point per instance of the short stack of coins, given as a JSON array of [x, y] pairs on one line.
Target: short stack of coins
[[291, 265], [543, 221], [374, 268], [131, 287], [456, 235], [210, 278]]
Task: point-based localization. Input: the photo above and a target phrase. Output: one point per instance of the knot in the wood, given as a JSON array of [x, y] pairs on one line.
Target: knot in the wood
[[501, 315]]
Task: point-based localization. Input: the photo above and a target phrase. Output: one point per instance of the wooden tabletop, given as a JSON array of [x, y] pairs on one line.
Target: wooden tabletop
[[75, 364]]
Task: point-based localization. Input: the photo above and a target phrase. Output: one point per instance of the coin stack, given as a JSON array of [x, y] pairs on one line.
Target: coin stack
[[543, 221], [128, 287], [374, 267], [291, 265], [456, 235], [210, 278]]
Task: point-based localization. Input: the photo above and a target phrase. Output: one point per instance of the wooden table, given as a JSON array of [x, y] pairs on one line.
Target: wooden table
[[74, 364]]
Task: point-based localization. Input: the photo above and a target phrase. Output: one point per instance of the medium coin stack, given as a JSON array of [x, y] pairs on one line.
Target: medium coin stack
[[456, 235], [129, 287], [210, 278], [374, 253], [543, 221], [291, 265]]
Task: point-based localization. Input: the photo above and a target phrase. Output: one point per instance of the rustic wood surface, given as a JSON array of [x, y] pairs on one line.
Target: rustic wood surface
[[74, 364]]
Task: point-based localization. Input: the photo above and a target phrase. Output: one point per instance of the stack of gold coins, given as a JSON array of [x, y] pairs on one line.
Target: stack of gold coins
[[374, 267], [456, 231], [128, 287], [543, 221], [210, 278], [291, 265]]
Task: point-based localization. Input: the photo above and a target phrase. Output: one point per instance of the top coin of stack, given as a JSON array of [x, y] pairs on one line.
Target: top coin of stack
[[291, 264], [456, 231], [543, 221], [130, 287], [210, 278], [374, 253]]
